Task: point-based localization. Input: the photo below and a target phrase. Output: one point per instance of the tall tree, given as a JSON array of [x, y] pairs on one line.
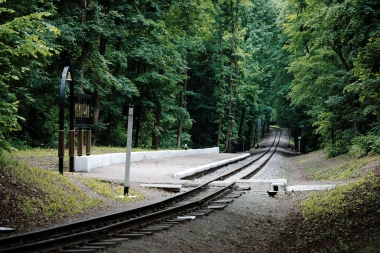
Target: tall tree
[[26, 39]]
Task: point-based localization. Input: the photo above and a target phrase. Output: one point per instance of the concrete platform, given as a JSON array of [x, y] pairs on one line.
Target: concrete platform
[[310, 187], [206, 167], [87, 163], [161, 171]]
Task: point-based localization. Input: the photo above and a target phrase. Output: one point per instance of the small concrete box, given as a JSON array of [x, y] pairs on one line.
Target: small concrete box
[[279, 187]]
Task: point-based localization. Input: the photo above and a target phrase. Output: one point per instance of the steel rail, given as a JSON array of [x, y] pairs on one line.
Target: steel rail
[[46, 233], [75, 238], [231, 173], [252, 173]]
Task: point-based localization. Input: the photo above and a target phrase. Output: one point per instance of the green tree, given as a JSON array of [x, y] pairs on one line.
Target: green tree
[[26, 39]]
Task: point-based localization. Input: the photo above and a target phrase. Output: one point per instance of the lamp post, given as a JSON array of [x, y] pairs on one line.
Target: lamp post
[[66, 77]]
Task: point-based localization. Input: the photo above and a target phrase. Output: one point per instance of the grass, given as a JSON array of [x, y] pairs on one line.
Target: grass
[[50, 152], [47, 158], [343, 167], [111, 190], [347, 218], [42, 194], [35, 194]]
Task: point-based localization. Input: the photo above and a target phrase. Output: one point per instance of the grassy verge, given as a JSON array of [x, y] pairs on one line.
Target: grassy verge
[[31, 196], [343, 167], [47, 158], [346, 219]]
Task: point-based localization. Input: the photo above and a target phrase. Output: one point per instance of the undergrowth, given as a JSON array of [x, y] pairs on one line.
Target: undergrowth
[[339, 220], [347, 218]]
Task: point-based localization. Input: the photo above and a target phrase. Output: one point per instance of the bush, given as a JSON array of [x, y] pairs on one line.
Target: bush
[[375, 146], [336, 149], [364, 144]]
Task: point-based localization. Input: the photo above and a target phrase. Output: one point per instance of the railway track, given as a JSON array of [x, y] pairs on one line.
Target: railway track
[[98, 233]]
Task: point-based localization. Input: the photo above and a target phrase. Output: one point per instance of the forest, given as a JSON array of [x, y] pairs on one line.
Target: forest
[[201, 72]]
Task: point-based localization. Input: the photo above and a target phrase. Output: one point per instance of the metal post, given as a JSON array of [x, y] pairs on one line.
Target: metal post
[[61, 149], [71, 106], [66, 77], [129, 144], [299, 144], [80, 142], [88, 142], [61, 131], [71, 149]]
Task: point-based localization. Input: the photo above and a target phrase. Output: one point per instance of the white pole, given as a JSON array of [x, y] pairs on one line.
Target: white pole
[[129, 144]]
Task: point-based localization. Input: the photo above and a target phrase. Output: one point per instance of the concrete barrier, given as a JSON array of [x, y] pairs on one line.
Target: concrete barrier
[[87, 163], [206, 167]]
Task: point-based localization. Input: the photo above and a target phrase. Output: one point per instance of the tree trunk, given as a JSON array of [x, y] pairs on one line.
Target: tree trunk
[[250, 123], [156, 126], [182, 104], [240, 137], [337, 47], [233, 67], [85, 46], [109, 120], [137, 128], [95, 116], [220, 78], [219, 128], [98, 96]]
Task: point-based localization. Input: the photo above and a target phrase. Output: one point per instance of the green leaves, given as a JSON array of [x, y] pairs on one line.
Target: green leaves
[[335, 66], [22, 38]]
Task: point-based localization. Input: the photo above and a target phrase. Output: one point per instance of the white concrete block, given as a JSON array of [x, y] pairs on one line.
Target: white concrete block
[[260, 184], [279, 187], [81, 163], [220, 183]]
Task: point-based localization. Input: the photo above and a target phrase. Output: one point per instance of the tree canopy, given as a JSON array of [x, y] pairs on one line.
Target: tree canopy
[[201, 72]]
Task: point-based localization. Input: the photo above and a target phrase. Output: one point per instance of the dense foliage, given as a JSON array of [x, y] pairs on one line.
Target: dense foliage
[[201, 71], [335, 81]]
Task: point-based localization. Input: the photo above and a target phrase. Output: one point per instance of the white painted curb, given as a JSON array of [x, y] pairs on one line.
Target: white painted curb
[[201, 168], [87, 163]]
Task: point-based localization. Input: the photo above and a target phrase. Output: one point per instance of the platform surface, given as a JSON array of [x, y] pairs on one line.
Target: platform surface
[[157, 170]]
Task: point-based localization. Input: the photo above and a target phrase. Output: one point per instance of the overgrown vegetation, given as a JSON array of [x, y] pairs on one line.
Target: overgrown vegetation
[[347, 218], [31, 197], [341, 220]]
